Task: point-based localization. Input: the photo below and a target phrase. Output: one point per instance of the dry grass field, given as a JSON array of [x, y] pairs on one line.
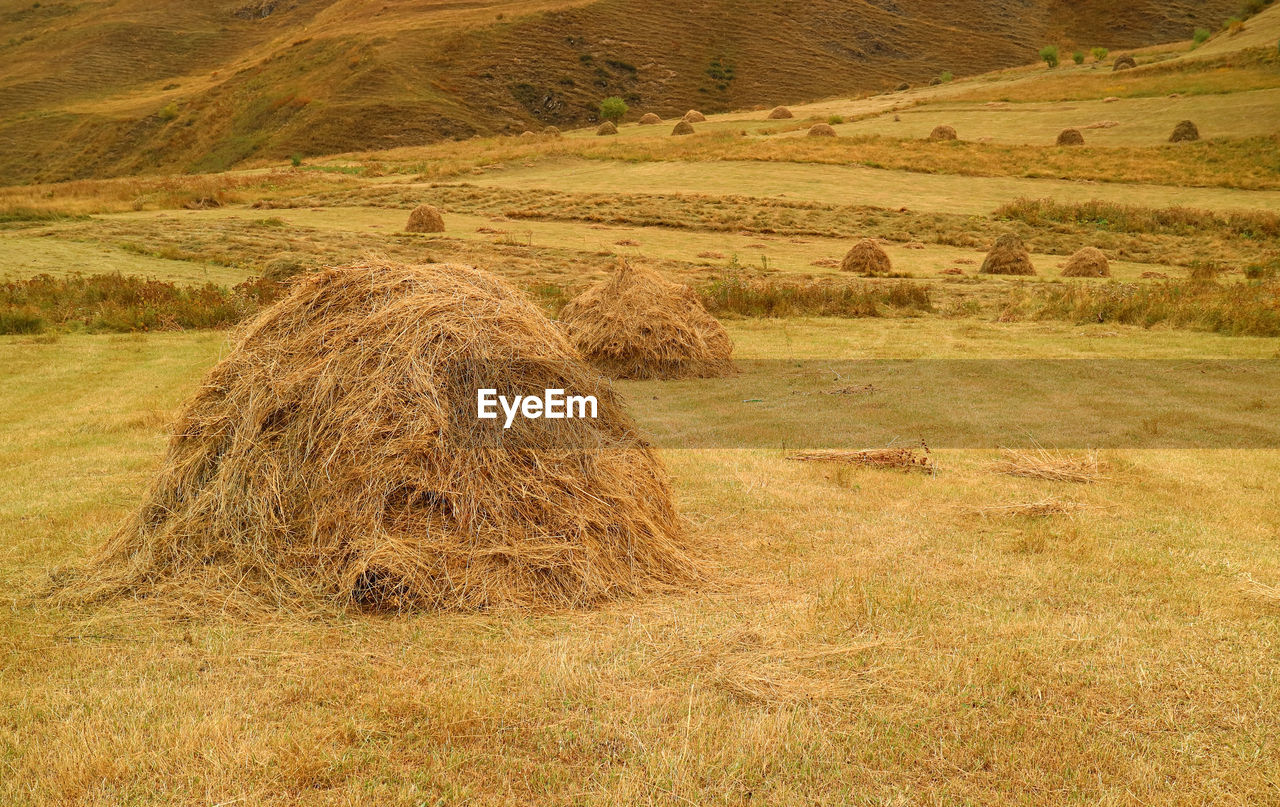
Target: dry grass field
[[1077, 601]]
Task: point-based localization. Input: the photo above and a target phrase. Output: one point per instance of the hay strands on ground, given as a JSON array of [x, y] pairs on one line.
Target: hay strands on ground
[[1053, 466], [904, 458], [1041, 508]]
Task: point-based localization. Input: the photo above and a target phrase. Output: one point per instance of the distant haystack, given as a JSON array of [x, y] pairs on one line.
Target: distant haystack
[[821, 130], [1008, 257], [682, 128], [526, 135], [867, 258], [425, 219], [649, 119], [1070, 137], [1185, 131], [694, 116], [551, 131], [943, 133], [637, 324], [1088, 262], [780, 113], [1125, 62], [903, 87], [607, 128]]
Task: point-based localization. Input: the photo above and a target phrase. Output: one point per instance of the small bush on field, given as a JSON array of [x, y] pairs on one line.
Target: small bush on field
[[946, 76], [1099, 54], [612, 109], [1049, 53], [169, 112], [835, 119], [1201, 35], [1078, 57], [20, 321], [1253, 224], [1263, 271], [735, 294]]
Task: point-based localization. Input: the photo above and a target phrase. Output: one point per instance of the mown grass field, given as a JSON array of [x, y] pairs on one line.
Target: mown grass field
[[868, 636]]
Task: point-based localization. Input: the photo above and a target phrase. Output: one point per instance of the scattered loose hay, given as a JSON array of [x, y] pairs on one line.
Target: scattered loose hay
[[1186, 131], [682, 128], [606, 128], [1261, 591], [867, 258], [1070, 137], [1125, 62], [1087, 262], [1009, 256], [943, 132], [1042, 508], [821, 130], [1054, 466], [694, 116], [780, 113], [649, 119], [425, 219], [906, 458], [637, 324], [334, 458]]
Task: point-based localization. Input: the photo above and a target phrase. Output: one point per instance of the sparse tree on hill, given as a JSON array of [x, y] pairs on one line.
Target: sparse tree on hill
[[1050, 55], [1078, 57], [613, 109]]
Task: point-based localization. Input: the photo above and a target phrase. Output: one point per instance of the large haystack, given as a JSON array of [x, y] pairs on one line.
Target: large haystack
[[649, 119], [1185, 131], [1087, 262], [943, 132], [335, 457], [867, 258], [1008, 257], [607, 128], [425, 219], [1070, 137], [780, 113], [682, 128], [694, 116], [1125, 62], [821, 130], [637, 324], [552, 131]]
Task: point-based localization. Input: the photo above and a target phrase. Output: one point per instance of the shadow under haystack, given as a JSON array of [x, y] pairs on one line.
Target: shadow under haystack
[[334, 457], [637, 324]]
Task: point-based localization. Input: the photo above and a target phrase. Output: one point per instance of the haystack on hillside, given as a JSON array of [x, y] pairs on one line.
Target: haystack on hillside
[[607, 128], [682, 128], [1125, 62], [637, 324], [694, 116], [335, 457], [527, 135], [1070, 137], [867, 258], [780, 113], [943, 132], [425, 219], [1087, 262], [1185, 131], [1008, 257], [821, 130], [552, 131], [649, 119]]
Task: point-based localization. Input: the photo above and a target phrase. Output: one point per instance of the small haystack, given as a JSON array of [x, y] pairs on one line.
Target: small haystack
[[1008, 257], [903, 87], [682, 128], [526, 135], [821, 130], [425, 219], [694, 116], [649, 119], [552, 131], [943, 132], [1070, 137], [780, 113], [637, 324], [1125, 62], [867, 258], [1087, 262], [1184, 132], [334, 457], [607, 128]]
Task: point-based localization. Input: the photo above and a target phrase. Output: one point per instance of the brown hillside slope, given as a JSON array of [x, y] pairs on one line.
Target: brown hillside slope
[[109, 87]]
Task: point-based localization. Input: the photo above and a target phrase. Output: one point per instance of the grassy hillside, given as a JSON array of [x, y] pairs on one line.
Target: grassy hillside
[[106, 88]]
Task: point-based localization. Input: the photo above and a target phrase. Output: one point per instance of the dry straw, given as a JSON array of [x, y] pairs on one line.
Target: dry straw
[[780, 113], [1008, 257], [1186, 131], [425, 219], [1070, 137], [867, 258], [649, 119], [1053, 466], [694, 116], [1087, 262], [905, 458], [637, 324], [682, 128], [334, 457], [821, 130], [607, 128], [943, 132], [1125, 62]]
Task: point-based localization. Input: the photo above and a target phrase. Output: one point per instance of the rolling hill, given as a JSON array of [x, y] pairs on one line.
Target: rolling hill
[[111, 87]]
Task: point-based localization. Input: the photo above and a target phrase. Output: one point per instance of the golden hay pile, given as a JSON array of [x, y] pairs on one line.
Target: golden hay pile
[[1008, 257], [527, 135], [682, 128], [552, 131], [694, 116], [637, 324], [1052, 466], [425, 219], [1185, 131], [649, 119], [821, 130], [1070, 137], [943, 132], [607, 128], [905, 458], [1125, 62], [334, 457], [780, 113], [867, 258], [1087, 262]]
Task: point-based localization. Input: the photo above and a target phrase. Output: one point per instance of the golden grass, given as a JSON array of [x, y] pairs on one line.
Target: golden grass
[[1052, 466]]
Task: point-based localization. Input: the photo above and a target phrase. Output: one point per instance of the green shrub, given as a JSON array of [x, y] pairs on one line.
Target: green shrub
[[1078, 57], [946, 76], [1201, 35], [296, 159], [613, 109], [169, 112], [20, 321], [1099, 54], [835, 119], [1049, 53]]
